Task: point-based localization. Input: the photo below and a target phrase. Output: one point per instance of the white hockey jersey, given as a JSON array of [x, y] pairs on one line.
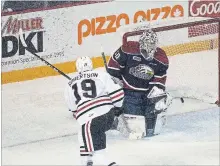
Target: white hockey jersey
[[91, 94]]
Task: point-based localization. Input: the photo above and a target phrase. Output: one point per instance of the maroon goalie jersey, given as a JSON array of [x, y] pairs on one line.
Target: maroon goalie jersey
[[135, 71]]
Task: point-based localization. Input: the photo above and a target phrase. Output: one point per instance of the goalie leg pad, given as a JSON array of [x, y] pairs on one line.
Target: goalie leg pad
[[122, 126], [150, 120], [131, 126], [136, 125], [154, 122], [160, 122]]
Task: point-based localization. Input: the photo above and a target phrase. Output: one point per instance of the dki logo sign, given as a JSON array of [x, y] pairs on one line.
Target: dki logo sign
[[11, 45]]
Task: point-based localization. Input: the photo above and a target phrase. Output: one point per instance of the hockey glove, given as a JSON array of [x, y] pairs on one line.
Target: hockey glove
[[117, 111], [163, 104], [117, 81], [155, 95], [160, 98]]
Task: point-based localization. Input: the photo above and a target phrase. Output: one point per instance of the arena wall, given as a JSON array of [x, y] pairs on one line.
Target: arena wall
[[63, 34]]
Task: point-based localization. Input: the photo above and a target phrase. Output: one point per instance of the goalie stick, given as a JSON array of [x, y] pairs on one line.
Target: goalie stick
[[194, 98], [47, 63]]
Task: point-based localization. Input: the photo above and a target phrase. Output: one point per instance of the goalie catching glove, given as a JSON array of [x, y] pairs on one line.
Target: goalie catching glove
[[160, 98]]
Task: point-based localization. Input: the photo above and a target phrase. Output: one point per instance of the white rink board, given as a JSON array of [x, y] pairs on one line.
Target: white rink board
[[60, 28]]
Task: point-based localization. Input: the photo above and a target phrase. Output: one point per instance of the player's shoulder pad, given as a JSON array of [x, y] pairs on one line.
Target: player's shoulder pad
[[119, 55], [161, 56], [131, 47]]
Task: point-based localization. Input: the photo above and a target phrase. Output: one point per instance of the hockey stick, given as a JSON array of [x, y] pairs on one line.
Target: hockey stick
[[47, 63], [104, 58], [194, 94], [194, 98]]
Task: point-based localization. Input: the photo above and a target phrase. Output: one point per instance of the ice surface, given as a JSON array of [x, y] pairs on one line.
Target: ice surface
[[188, 139]]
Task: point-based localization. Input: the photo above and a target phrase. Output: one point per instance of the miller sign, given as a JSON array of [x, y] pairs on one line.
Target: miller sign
[[11, 42]]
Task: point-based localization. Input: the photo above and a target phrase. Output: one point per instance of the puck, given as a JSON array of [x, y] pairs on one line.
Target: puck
[[182, 100]]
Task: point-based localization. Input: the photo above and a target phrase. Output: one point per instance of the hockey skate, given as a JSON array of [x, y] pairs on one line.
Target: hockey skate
[[89, 163]]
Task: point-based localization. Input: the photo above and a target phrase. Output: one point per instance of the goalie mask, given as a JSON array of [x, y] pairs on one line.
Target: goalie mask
[[84, 64], [148, 44]]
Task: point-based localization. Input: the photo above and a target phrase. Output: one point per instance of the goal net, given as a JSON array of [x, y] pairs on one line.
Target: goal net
[[193, 51]]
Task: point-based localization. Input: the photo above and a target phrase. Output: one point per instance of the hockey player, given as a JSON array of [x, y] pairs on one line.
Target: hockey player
[[92, 96], [141, 67]]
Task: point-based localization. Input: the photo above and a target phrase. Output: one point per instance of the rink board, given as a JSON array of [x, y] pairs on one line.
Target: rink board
[[60, 39]]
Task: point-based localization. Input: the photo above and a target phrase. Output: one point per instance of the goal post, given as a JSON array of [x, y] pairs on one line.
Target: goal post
[[199, 41]]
